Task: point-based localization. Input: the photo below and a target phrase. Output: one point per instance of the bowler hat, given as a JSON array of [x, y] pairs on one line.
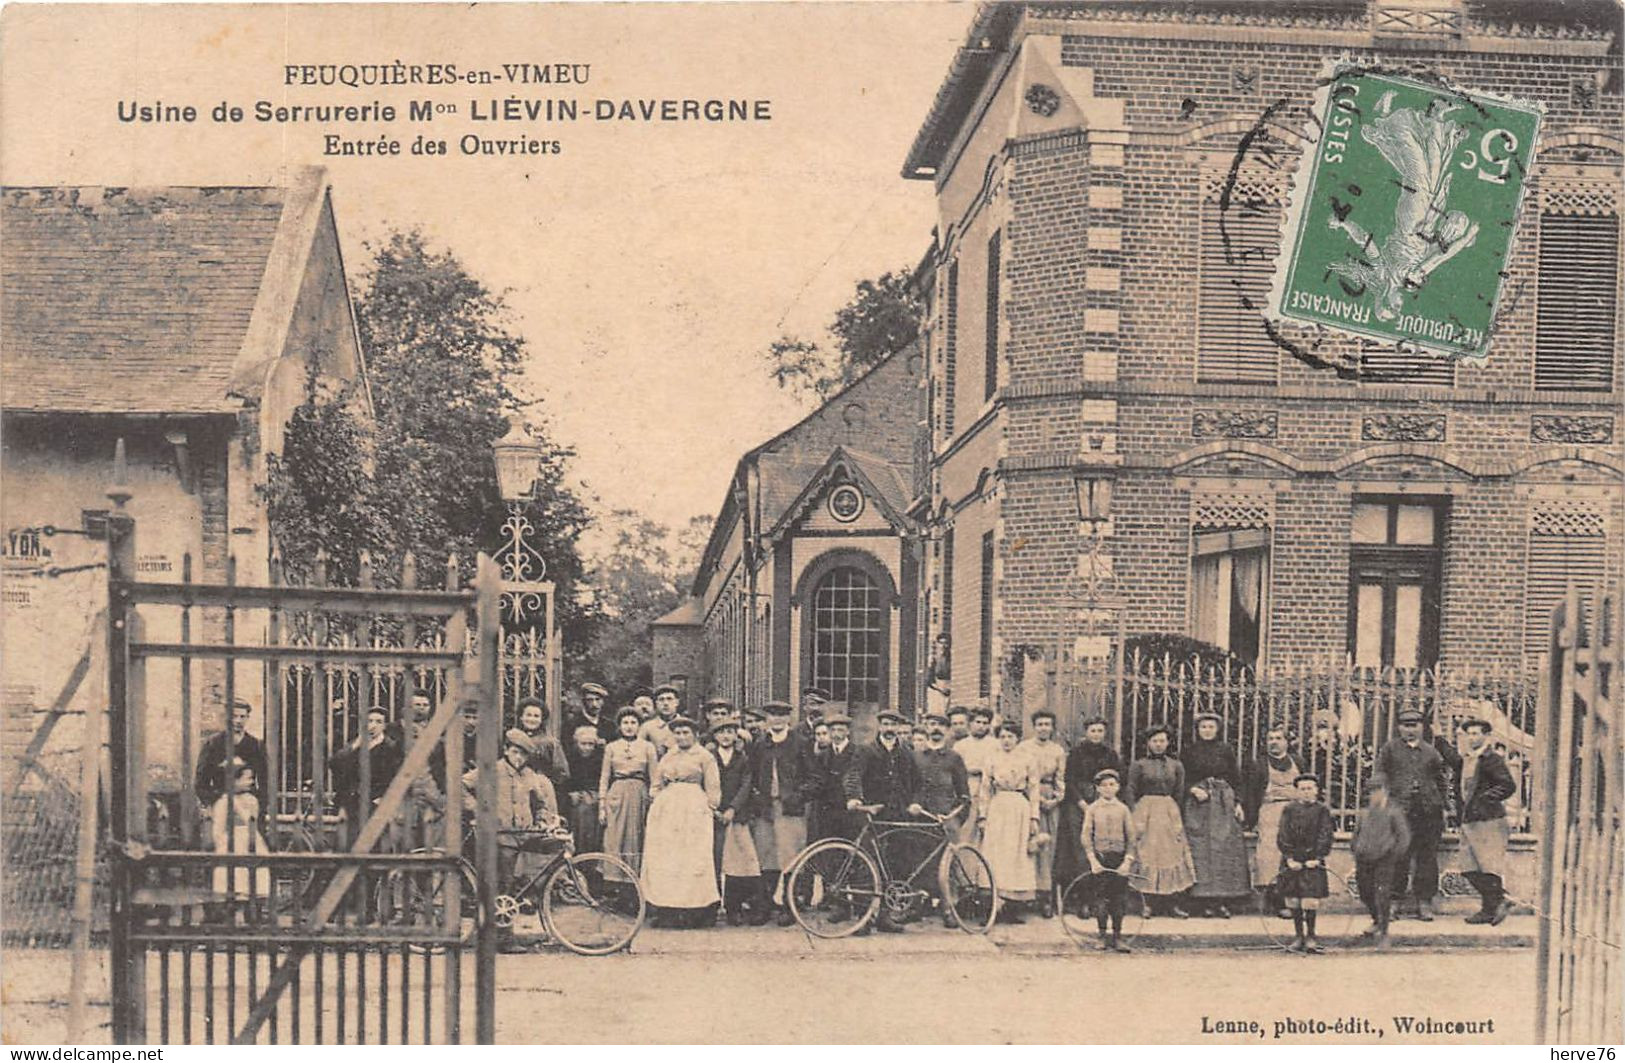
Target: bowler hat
[[1476, 725]]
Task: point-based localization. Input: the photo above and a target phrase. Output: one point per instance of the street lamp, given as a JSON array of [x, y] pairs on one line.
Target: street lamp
[[518, 460]]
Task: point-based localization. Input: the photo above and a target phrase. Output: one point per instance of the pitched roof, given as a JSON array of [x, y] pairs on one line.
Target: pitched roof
[[118, 300], [685, 615], [877, 477]]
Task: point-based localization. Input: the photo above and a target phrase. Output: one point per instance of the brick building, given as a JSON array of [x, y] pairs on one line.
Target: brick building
[[1089, 341], [187, 322], [811, 573]]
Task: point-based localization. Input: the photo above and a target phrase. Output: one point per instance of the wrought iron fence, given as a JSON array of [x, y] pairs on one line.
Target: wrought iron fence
[[1336, 716]]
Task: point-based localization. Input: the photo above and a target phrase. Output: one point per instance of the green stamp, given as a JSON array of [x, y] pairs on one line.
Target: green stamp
[[1401, 224]]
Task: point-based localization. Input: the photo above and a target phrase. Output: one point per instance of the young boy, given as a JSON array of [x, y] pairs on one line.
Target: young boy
[[1108, 844], [1305, 840], [1382, 838]]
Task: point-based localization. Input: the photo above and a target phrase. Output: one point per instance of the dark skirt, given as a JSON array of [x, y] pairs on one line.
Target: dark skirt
[[1304, 882]]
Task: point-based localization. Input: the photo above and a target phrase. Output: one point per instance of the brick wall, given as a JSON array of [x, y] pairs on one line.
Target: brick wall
[[1101, 339]]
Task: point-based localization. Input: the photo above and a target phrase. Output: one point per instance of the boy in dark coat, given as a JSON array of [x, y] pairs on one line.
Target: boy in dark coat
[[1305, 840], [1382, 839]]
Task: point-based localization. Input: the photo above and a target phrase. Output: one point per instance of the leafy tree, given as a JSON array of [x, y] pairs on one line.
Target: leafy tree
[[644, 574], [444, 365], [882, 317]]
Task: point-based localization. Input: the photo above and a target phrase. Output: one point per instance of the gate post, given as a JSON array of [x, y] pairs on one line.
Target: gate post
[[488, 610], [128, 966]]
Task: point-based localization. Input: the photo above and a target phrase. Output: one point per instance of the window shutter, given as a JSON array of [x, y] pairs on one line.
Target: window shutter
[[1235, 261], [1568, 546], [950, 348], [991, 382], [1387, 363], [1578, 293], [985, 649]]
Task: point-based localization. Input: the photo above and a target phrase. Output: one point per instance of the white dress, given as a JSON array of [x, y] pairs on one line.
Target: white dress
[[1011, 784], [244, 837], [679, 870]]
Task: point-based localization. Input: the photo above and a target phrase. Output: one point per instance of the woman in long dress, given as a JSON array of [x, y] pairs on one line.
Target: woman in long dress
[[240, 835], [623, 792], [1010, 797], [679, 870], [1164, 856], [1213, 816]]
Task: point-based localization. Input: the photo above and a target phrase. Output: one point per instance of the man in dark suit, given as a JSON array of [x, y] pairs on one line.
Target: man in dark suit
[[734, 851], [813, 700], [885, 777], [781, 765], [209, 781], [592, 714], [383, 761], [1419, 782], [826, 786], [1486, 783]]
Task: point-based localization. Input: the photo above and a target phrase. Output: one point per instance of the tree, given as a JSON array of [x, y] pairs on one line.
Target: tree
[[644, 574], [443, 362], [882, 317]]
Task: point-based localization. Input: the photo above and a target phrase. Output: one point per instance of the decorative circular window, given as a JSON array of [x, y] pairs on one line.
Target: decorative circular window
[[846, 503]]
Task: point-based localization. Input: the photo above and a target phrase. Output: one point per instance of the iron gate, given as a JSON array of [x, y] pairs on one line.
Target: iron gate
[[329, 895], [1578, 969]]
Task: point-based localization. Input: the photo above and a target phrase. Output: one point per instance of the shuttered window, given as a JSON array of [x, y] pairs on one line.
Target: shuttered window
[[1567, 548], [1387, 363], [1578, 292], [990, 383], [984, 669], [950, 350], [1235, 261]]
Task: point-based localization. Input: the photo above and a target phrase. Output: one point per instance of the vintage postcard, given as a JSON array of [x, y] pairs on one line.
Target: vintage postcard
[[1066, 522]]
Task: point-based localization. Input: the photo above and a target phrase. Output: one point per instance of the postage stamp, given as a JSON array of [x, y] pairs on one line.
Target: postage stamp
[[1400, 227]]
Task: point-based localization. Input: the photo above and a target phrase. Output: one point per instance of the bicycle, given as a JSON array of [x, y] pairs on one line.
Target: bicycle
[[852, 881], [591, 903]]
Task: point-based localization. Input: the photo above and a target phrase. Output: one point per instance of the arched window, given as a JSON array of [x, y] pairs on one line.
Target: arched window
[[849, 635]]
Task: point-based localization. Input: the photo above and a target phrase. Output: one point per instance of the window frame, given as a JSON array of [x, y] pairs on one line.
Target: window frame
[[1392, 565]]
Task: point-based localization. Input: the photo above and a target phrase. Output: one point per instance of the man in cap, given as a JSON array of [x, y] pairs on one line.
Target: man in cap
[[733, 849], [944, 786], [977, 752], [717, 709], [657, 729], [1048, 759], [884, 779], [813, 700], [1418, 782], [525, 801], [591, 714], [827, 784], [781, 766], [1486, 783], [752, 722]]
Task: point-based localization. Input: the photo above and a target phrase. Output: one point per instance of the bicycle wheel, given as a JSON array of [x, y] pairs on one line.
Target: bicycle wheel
[[1078, 917], [969, 896], [414, 898], [835, 889], [292, 891], [1336, 920], [592, 904]]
